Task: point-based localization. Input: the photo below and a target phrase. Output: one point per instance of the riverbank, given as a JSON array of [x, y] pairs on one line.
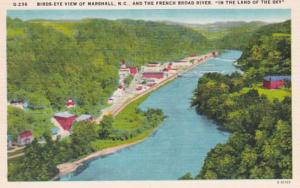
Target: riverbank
[[119, 108], [69, 167], [66, 168]]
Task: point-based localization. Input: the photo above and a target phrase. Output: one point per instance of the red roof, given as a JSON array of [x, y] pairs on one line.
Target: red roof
[[153, 75], [133, 70], [70, 102], [65, 119], [124, 69], [25, 134]]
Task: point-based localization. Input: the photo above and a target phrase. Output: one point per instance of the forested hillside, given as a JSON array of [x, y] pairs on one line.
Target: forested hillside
[[239, 37], [229, 35], [269, 51], [51, 60], [260, 146]]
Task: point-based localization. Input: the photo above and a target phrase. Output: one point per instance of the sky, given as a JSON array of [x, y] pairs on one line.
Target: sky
[[194, 16]]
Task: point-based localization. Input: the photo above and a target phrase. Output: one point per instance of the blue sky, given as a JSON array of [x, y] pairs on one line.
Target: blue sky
[[197, 16]]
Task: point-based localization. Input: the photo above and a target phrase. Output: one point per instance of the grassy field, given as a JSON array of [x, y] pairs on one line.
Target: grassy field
[[279, 94], [281, 35], [103, 144], [127, 120]]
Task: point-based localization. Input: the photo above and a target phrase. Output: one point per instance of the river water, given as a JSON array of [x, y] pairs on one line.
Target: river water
[[178, 146]]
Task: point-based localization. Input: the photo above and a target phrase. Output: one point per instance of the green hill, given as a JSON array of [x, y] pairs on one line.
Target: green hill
[[51, 60], [228, 35], [269, 51], [259, 120]]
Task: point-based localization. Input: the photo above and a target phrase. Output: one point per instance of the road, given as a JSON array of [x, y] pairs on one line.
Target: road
[[130, 94]]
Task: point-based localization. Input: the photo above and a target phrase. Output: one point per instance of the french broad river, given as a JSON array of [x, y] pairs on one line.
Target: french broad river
[[179, 145]]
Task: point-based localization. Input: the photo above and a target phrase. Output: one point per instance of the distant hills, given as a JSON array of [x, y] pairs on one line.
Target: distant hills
[[231, 34]]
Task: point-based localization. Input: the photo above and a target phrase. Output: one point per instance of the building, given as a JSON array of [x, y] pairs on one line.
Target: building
[[84, 117], [151, 75], [153, 64], [70, 103], [25, 138], [55, 131], [123, 64], [274, 82], [181, 63], [65, 119], [125, 72], [152, 68], [215, 54], [9, 141], [133, 70], [18, 103], [110, 100]]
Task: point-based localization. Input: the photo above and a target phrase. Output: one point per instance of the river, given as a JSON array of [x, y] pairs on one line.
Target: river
[[178, 146]]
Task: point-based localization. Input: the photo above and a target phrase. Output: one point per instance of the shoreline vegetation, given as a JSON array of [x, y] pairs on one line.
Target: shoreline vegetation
[[69, 167]]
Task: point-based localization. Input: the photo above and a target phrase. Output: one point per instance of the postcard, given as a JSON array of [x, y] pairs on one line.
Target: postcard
[[149, 93]]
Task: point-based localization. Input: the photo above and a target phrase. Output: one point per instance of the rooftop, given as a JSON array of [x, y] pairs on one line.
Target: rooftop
[[64, 114], [83, 117], [54, 130], [276, 78]]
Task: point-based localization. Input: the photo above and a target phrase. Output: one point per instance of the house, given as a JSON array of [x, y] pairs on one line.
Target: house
[[70, 103], [123, 64], [168, 67], [110, 100], [215, 54], [153, 64], [274, 82], [84, 117], [133, 70], [9, 141], [125, 72], [65, 119], [18, 103], [25, 138], [150, 75], [54, 131], [151, 82], [152, 68], [181, 63]]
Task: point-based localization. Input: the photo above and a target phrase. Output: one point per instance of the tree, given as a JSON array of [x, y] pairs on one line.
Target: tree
[[106, 127], [187, 176], [82, 135]]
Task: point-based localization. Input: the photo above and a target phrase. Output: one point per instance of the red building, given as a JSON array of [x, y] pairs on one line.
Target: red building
[[157, 75], [65, 119], [70, 103], [133, 70], [274, 82], [168, 68], [25, 138]]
